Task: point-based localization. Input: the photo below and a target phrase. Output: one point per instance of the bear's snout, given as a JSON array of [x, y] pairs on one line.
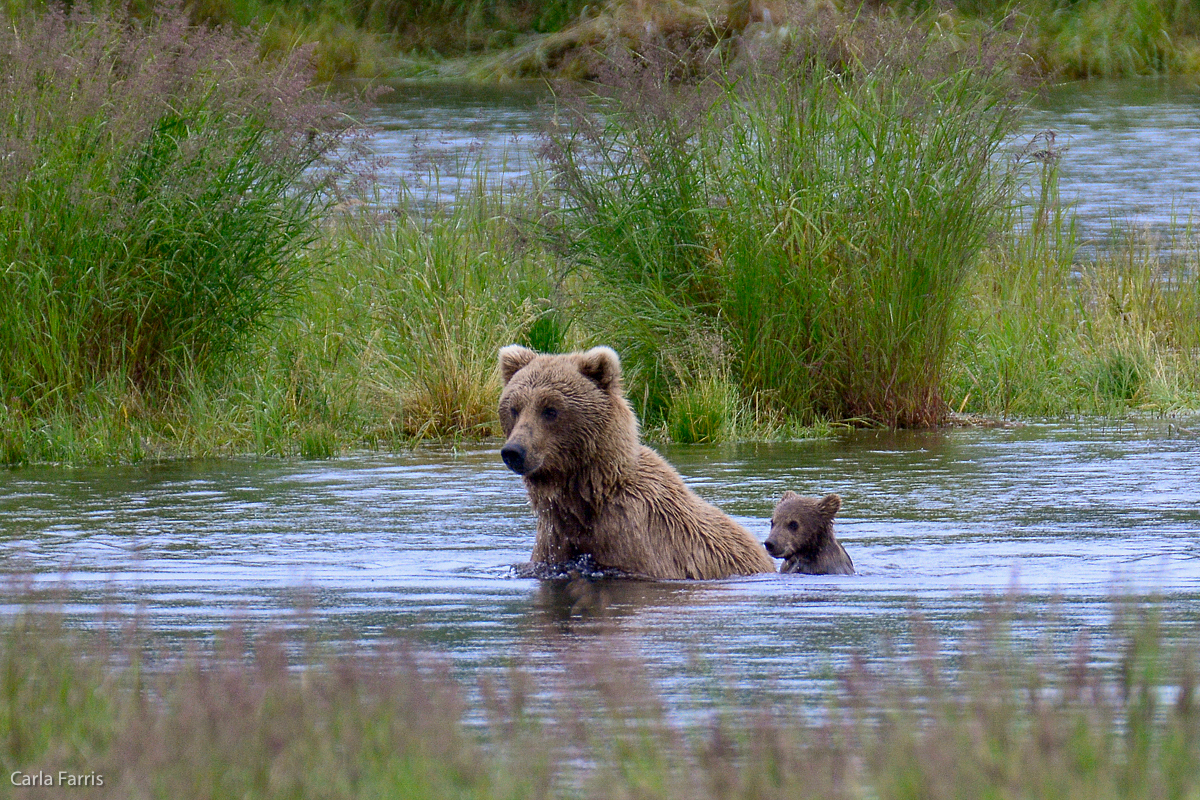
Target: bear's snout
[[514, 457], [773, 549]]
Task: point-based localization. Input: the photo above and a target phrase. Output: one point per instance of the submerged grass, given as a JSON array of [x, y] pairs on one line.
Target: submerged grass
[[264, 716]]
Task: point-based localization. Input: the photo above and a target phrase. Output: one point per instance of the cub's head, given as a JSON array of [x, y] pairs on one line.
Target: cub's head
[[799, 524], [562, 413]]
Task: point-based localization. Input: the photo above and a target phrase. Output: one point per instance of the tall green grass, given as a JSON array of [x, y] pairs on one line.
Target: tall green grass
[[419, 306], [1096, 38], [804, 230], [159, 189], [767, 244], [1051, 331], [267, 717], [391, 337]]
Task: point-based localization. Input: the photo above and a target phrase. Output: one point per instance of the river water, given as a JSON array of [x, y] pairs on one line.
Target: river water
[[940, 524], [1130, 148]]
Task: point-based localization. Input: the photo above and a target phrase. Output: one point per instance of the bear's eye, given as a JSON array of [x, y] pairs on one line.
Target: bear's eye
[[793, 526], [549, 413], [515, 410]]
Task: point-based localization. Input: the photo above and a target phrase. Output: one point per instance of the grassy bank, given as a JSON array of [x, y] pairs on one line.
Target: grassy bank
[[390, 339], [1045, 334], [160, 193], [502, 39], [357, 38], [267, 716], [774, 247]]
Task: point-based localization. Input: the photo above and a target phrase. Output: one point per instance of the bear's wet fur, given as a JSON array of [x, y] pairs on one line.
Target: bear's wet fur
[[595, 488], [802, 535]]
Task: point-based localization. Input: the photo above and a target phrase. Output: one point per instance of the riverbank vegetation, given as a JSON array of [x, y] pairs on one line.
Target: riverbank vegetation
[[1048, 329], [984, 713], [837, 231], [801, 233], [160, 189], [504, 39]]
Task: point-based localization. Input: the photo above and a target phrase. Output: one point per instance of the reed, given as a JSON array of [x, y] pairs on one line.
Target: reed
[[160, 187], [808, 228], [391, 338], [825, 238], [1050, 331], [445, 292]]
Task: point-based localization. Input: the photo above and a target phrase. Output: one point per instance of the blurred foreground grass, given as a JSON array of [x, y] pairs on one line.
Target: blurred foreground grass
[[273, 715]]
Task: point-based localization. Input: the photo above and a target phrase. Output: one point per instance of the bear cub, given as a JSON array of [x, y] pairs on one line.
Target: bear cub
[[596, 490], [802, 535]]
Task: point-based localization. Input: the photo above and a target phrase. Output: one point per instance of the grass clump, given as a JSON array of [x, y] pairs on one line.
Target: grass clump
[[703, 412], [394, 341], [265, 717], [817, 224], [434, 299], [1050, 330], [160, 187], [391, 337]]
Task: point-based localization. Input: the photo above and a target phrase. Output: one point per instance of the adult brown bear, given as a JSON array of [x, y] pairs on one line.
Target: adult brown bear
[[595, 488]]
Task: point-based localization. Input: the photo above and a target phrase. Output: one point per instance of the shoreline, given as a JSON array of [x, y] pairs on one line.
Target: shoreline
[[755, 296]]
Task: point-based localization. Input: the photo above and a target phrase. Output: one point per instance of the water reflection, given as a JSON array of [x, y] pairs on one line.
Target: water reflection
[[938, 523]]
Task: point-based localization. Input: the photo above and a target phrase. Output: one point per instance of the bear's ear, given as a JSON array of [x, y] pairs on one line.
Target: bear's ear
[[829, 505], [601, 366], [512, 358], [789, 495]]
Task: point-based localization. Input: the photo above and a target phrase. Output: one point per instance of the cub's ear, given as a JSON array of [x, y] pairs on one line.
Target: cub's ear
[[829, 505], [789, 495], [512, 358], [601, 366]]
